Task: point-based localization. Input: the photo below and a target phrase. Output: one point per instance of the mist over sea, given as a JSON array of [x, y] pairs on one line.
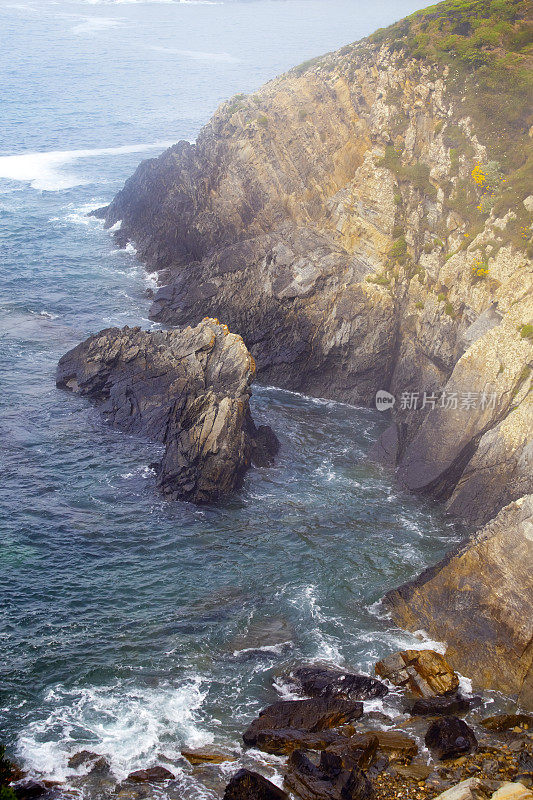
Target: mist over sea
[[130, 626]]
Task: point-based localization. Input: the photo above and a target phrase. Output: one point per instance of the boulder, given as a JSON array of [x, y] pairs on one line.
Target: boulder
[[286, 740], [328, 781], [470, 789], [150, 775], [324, 682], [425, 673], [357, 751], [512, 791], [205, 756], [248, 785], [311, 716], [188, 389], [442, 705], [397, 745], [505, 722], [448, 737]]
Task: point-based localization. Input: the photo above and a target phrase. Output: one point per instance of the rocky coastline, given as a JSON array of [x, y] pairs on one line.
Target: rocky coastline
[[364, 227], [438, 743]]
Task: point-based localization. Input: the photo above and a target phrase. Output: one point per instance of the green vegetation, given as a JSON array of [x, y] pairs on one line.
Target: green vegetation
[[487, 46], [398, 250], [526, 331], [236, 104], [262, 120], [381, 280], [448, 309], [419, 304], [417, 174]]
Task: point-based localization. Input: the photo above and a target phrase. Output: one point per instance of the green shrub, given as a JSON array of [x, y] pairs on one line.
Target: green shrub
[[526, 331], [262, 120]]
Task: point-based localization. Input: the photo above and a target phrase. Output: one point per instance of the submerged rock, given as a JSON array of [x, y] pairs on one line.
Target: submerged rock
[[311, 716], [450, 736], [188, 389], [447, 704], [248, 785], [323, 682], [422, 672], [150, 775]]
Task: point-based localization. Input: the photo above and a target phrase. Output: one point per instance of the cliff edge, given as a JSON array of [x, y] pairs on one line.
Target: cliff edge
[[364, 222]]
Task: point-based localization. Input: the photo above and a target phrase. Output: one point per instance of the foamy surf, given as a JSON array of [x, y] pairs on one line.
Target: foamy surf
[[45, 170], [130, 726]]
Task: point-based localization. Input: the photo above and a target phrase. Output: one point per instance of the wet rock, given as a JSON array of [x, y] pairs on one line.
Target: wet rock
[[450, 736], [358, 751], [423, 672], [312, 715], [506, 722], [150, 775], [323, 682], [204, 756], [439, 706], [248, 785], [419, 772], [285, 741], [397, 745], [471, 789], [188, 389], [328, 781], [30, 790], [524, 766], [357, 787], [81, 758]]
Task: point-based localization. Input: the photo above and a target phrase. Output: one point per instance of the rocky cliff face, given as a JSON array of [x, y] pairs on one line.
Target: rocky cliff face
[[364, 222], [188, 389]]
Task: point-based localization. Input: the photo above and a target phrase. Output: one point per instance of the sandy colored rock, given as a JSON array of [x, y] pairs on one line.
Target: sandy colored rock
[[512, 791], [479, 601], [425, 673]]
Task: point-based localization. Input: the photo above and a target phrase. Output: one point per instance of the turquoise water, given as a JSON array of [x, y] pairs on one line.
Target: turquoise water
[[128, 625]]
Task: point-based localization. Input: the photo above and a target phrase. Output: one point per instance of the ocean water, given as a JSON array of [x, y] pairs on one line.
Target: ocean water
[[130, 626]]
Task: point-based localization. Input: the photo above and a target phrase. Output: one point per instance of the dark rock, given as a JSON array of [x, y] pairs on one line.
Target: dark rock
[[357, 751], [425, 673], [248, 785], [440, 706], [208, 756], [357, 787], [83, 757], [398, 746], [504, 722], [450, 736], [285, 741], [188, 389], [524, 766], [30, 789], [322, 682], [150, 775], [312, 715]]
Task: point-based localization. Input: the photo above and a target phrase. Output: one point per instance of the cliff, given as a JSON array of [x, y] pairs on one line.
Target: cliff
[[364, 222]]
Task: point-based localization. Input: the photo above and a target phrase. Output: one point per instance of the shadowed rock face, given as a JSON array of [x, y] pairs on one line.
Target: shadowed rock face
[[189, 390]]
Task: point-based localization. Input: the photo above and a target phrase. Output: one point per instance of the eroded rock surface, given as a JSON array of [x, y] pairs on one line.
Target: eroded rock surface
[[423, 672], [188, 389], [482, 594]]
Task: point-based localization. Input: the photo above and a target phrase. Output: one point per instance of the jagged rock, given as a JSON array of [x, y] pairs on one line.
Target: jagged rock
[[357, 751], [189, 389], [504, 722], [150, 775], [450, 736], [471, 789], [444, 704], [29, 789], [479, 601], [328, 781], [423, 672], [311, 716], [248, 785], [323, 682]]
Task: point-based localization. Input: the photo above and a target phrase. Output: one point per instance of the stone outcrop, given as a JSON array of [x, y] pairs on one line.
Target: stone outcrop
[[188, 389], [424, 673], [249, 785], [479, 601], [359, 224], [326, 682], [449, 737]]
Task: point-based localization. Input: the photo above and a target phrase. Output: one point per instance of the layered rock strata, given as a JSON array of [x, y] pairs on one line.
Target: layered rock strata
[[187, 389]]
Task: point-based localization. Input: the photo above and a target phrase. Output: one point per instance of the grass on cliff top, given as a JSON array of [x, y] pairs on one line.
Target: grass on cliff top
[[488, 47]]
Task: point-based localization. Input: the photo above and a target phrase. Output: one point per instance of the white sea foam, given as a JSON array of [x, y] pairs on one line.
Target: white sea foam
[[196, 55], [129, 726], [45, 170]]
